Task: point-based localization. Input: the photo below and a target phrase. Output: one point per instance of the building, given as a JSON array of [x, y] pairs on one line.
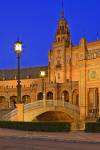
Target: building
[[72, 76]]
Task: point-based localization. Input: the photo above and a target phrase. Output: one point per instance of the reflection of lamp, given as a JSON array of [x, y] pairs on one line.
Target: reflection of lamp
[[18, 50], [42, 74]]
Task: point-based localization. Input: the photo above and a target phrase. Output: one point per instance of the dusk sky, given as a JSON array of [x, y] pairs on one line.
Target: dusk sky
[[35, 23]]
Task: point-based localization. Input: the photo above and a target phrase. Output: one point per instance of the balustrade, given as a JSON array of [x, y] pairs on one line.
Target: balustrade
[[69, 108]]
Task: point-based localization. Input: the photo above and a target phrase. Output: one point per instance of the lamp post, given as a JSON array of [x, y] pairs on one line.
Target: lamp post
[[18, 50], [42, 74]]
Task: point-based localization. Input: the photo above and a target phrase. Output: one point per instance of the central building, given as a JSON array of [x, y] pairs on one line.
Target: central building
[[72, 76]]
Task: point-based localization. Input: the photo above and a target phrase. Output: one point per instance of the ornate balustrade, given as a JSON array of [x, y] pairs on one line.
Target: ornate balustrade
[[71, 109], [10, 114]]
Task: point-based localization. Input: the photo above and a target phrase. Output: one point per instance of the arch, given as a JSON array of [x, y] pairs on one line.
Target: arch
[[93, 102], [54, 116], [49, 95], [40, 96], [38, 108], [3, 103], [13, 101], [65, 96], [2, 99], [75, 97], [26, 99]]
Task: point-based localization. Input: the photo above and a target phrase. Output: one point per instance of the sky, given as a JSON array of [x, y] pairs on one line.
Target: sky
[[34, 22]]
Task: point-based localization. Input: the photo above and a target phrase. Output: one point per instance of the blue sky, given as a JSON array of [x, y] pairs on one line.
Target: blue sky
[[35, 22]]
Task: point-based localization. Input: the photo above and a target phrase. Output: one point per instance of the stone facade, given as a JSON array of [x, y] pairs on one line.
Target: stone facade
[[72, 75]]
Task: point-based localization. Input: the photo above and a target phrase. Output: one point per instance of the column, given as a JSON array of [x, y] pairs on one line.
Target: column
[[20, 112], [99, 102]]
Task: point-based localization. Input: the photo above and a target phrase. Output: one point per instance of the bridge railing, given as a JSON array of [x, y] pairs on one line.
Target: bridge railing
[[10, 115], [72, 109], [52, 103]]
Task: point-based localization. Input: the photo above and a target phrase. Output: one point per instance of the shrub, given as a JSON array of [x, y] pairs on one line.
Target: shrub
[[92, 127], [36, 126], [98, 119]]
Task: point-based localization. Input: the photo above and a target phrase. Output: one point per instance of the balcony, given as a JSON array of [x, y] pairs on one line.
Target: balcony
[[58, 66]]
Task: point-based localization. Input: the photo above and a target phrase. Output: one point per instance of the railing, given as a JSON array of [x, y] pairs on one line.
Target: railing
[[73, 109], [10, 115], [70, 108]]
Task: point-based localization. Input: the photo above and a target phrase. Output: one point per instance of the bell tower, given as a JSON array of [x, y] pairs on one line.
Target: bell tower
[[62, 32], [57, 55]]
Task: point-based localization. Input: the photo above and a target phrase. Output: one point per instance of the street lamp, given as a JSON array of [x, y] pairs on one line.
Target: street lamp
[[42, 74], [18, 50]]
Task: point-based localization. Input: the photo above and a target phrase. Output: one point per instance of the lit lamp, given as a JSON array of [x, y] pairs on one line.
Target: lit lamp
[[42, 73], [18, 50]]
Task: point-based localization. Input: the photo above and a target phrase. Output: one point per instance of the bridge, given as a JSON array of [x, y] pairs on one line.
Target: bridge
[[44, 110]]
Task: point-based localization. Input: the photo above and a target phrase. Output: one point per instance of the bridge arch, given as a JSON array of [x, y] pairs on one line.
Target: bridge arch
[[39, 109], [54, 116]]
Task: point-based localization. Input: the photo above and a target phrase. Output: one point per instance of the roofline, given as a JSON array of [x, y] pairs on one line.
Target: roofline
[[24, 68]]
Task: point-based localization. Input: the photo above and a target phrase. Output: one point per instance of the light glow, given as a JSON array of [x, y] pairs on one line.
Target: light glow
[[42, 73], [18, 47]]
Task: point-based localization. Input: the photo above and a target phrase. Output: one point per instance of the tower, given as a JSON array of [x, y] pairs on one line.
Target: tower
[[62, 32], [57, 56]]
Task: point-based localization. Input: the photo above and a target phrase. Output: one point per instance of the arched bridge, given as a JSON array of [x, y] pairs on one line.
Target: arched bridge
[[45, 110]]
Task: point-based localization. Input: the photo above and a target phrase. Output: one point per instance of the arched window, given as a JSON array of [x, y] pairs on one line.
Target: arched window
[[49, 96], [13, 101], [75, 97], [58, 39], [2, 99], [65, 96], [58, 76], [40, 96], [93, 98], [62, 27], [26, 99]]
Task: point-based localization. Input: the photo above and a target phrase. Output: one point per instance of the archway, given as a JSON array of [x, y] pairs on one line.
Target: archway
[[49, 96], [54, 116], [26, 99], [13, 101], [93, 102], [75, 97], [65, 96], [3, 103], [2, 99], [40, 96]]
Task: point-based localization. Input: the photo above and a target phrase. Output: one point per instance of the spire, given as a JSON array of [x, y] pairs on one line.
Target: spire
[[62, 10]]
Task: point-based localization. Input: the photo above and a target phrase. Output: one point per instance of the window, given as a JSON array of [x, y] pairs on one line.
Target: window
[[58, 75], [58, 62], [62, 27], [58, 39], [63, 37]]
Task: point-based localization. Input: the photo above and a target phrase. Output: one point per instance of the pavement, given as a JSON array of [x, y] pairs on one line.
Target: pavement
[[74, 137]]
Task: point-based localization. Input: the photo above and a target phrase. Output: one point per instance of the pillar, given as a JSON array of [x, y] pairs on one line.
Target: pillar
[[20, 112], [82, 80], [99, 102]]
